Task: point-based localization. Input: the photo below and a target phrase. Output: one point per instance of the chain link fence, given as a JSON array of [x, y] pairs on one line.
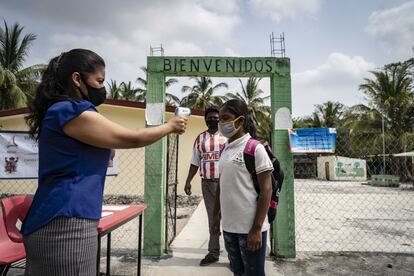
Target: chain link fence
[[171, 195], [359, 199], [126, 187]]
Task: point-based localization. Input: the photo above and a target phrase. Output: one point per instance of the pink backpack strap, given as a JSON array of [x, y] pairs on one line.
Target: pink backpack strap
[[250, 147], [222, 149]]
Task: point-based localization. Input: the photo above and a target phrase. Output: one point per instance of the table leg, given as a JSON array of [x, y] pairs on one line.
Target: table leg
[[108, 255], [98, 259], [4, 269], [139, 244]]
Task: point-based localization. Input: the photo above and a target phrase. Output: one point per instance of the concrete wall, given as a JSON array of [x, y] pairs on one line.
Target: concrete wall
[[342, 168], [131, 162], [321, 164]]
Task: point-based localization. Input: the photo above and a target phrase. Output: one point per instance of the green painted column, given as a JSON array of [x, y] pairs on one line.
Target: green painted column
[[281, 99], [155, 173]]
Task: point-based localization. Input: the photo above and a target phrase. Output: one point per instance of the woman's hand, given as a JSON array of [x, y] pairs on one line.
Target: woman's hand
[[254, 239], [178, 124]]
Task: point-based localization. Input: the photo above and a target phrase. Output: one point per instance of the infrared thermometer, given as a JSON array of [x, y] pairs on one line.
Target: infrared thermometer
[[182, 111]]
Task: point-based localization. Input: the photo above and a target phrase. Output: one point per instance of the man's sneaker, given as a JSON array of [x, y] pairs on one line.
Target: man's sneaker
[[209, 259]]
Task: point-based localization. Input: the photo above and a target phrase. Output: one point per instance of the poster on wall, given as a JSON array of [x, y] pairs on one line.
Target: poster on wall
[[19, 156], [312, 140], [350, 168]]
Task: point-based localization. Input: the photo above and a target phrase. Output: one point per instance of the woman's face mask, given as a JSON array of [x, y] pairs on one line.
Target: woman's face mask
[[228, 129], [96, 96]]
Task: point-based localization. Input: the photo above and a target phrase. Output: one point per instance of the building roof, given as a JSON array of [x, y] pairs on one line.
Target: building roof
[[140, 105]]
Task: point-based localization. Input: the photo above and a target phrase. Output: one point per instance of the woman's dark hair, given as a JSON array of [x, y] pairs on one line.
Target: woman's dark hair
[[211, 109], [56, 84], [239, 108]]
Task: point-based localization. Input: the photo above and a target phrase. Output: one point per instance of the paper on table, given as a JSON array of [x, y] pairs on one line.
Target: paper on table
[[104, 214], [114, 207]]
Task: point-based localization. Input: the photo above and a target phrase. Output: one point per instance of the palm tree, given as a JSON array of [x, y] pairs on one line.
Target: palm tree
[[11, 96], [142, 91], [129, 92], [13, 53], [390, 94], [264, 129], [114, 90], [201, 95], [390, 107], [252, 95], [172, 100], [307, 121], [329, 114]]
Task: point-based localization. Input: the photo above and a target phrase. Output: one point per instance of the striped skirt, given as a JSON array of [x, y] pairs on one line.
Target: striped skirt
[[64, 247]]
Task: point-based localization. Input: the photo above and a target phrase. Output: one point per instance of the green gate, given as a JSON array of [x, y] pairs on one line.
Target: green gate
[[278, 70]]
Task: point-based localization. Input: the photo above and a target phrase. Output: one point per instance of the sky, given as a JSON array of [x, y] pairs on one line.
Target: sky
[[332, 44]]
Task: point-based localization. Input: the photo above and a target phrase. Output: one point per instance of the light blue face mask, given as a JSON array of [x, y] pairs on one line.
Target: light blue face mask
[[228, 129]]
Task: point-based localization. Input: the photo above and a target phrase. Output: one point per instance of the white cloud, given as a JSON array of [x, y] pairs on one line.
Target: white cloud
[[221, 6], [336, 80], [123, 31], [144, 20], [123, 60], [394, 28], [231, 53], [183, 48], [279, 9]]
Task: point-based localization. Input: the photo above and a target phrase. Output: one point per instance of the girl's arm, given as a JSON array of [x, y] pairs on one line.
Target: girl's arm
[[254, 238]]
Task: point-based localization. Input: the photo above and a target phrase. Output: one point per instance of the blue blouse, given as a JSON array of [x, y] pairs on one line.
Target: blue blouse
[[71, 173]]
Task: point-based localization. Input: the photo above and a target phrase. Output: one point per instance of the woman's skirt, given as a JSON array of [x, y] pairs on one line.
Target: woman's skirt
[[63, 247]]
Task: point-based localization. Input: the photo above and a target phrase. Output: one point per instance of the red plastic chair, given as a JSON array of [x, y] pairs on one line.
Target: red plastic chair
[[15, 209], [10, 251]]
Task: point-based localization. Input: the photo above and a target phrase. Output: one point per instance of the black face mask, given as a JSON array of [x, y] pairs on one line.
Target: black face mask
[[212, 125], [95, 95]]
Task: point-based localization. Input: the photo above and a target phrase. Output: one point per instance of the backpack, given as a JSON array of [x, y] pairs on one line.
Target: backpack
[[277, 175]]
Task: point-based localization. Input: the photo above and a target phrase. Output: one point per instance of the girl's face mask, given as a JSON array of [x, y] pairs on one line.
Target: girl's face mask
[[228, 129]]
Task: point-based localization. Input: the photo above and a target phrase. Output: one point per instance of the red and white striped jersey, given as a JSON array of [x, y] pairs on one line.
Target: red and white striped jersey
[[206, 154]]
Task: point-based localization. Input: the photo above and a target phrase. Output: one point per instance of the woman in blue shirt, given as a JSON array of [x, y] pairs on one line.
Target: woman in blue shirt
[[60, 230]]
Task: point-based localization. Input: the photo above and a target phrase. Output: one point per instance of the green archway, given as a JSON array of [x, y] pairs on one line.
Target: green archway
[[278, 70]]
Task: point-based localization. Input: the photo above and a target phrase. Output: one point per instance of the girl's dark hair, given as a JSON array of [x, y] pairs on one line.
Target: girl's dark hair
[[239, 108], [56, 84]]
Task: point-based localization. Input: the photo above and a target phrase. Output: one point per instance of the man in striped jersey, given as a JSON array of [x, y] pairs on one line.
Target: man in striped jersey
[[206, 155]]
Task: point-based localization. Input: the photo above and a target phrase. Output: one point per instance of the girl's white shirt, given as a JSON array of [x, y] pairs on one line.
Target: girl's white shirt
[[238, 197]]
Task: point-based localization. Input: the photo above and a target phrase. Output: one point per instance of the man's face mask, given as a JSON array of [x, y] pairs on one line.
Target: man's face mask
[[228, 129], [96, 96]]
